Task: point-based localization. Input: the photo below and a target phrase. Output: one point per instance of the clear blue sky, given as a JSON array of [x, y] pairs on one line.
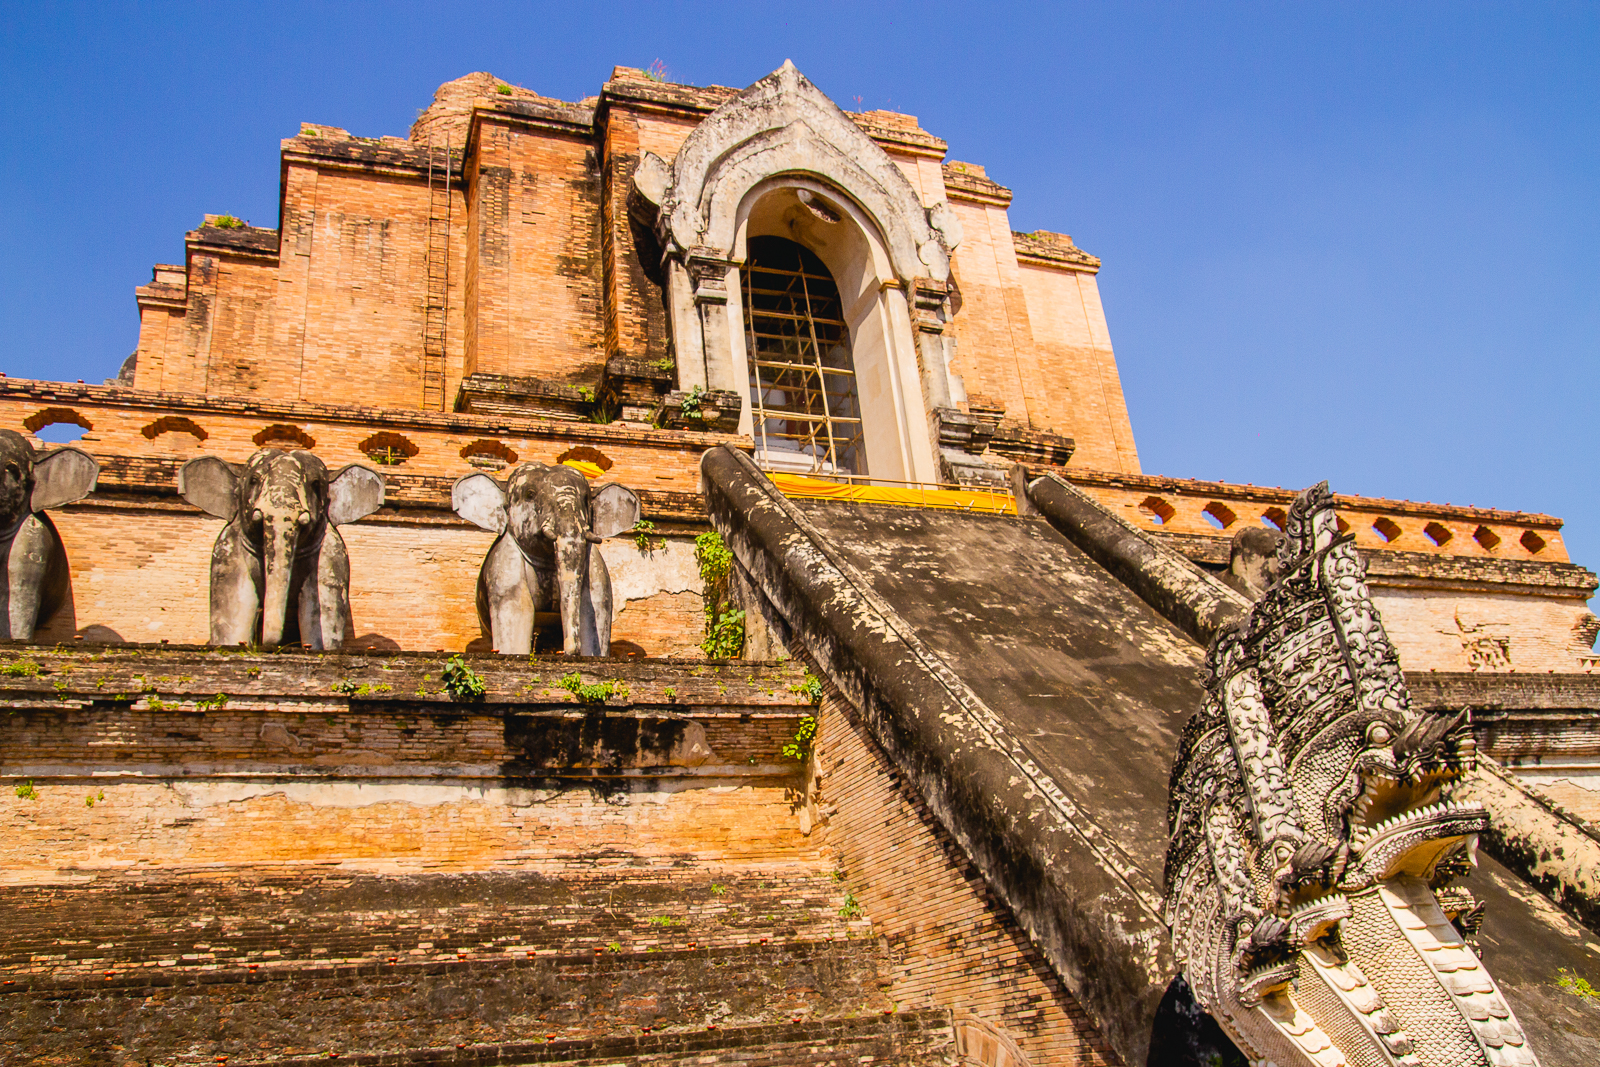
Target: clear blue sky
[[1348, 241]]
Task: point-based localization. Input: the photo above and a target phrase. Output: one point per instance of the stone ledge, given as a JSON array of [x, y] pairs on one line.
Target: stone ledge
[[1269, 494], [156, 403], [1390, 568], [967, 181], [1046, 249]]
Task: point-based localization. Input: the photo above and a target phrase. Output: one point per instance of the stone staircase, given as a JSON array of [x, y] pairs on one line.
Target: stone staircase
[[296, 966]]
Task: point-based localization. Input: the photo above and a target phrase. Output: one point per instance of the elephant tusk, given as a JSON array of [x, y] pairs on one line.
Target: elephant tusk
[[593, 538]]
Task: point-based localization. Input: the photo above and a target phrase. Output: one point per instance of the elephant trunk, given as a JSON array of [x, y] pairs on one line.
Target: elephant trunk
[[280, 542], [572, 579]]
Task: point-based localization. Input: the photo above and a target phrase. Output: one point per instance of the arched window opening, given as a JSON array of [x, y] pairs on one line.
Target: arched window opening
[[388, 449], [1157, 510], [1387, 528], [57, 426], [1438, 534], [1219, 515], [169, 424], [489, 455], [1276, 518], [1532, 542], [804, 406], [279, 435]]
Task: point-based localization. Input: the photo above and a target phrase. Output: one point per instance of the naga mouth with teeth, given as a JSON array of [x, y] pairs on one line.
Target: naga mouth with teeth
[[1314, 841]]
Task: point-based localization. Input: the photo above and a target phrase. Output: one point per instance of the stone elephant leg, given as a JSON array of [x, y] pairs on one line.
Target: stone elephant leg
[[236, 578], [595, 609], [506, 598], [324, 608], [27, 566]]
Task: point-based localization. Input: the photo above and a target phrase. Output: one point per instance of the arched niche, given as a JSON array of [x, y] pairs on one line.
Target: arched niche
[[749, 163], [845, 238]]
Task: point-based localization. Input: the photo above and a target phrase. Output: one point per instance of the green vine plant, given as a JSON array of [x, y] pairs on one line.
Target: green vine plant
[[462, 682], [724, 623], [20, 668], [228, 222], [691, 404], [595, 693], [804, 735], [810, 688], [26, 790], [644, 537]]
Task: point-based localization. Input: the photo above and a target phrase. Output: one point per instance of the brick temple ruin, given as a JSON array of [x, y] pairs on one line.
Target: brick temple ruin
[[914, 807]]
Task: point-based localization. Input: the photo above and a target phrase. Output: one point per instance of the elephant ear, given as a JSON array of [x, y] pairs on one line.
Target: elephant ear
[[354, 492], [62, 476], [210, 484], [479, 499], [614, 509]]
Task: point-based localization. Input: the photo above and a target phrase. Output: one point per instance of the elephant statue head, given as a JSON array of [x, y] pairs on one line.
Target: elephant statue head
[[551, 522], [33, 564], [279, 565]]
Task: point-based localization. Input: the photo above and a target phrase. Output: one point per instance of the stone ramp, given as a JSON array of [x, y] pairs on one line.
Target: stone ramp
[[184, 969], [1034, 700]]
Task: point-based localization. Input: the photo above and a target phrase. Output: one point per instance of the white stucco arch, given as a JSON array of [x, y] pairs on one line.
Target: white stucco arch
[[777, 138]]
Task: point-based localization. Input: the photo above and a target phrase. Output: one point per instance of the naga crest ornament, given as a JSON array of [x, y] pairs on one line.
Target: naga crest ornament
[[1313, 851]]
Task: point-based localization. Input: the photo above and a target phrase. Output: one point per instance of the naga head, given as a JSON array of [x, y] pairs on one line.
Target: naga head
[[1314, 842]]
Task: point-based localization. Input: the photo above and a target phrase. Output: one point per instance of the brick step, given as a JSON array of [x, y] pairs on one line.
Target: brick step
[[77, 931], [891, 1040], [56, 981], [641, 1007]]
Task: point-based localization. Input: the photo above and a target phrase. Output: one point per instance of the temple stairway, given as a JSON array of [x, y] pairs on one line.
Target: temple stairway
[[1036, 701], [293, 966]]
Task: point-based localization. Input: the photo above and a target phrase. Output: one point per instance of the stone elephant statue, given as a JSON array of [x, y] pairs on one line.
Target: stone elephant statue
[[33, 565], [279, 569], [551, 522]]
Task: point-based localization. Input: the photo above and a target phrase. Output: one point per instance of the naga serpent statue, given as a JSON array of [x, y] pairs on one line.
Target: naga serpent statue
[[1313, 844]]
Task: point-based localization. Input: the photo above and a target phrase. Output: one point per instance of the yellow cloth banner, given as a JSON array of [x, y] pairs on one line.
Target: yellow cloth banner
[[907, 496]]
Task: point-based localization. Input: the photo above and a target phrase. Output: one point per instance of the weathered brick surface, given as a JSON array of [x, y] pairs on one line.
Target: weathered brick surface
[[311, 866], [952, 943], [641, 457], [272, 964]]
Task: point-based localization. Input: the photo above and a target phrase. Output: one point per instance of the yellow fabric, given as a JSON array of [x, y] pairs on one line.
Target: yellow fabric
[[584, 467], [908, 496]]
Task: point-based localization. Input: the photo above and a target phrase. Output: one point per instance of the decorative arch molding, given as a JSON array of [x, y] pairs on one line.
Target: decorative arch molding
[[782, 132]]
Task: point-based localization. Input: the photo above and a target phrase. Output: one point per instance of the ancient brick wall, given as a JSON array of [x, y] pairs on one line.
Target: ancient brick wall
[[308, 871], [993, 335], [951, 943], [129, 424], [536, 297], [1078, 385]]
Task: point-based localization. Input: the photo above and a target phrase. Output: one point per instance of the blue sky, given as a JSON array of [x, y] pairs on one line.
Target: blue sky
[[1349, 241]]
